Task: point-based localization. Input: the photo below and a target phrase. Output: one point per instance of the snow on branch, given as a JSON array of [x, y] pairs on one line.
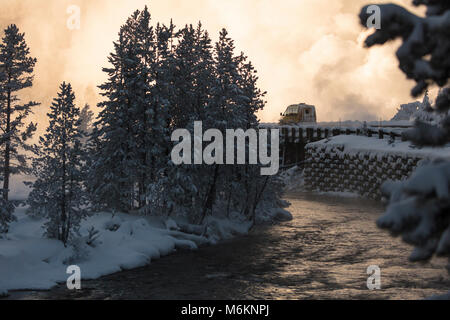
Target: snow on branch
[[424, 134], [418, 210], [419, 207], [434, 7], [425, 52]]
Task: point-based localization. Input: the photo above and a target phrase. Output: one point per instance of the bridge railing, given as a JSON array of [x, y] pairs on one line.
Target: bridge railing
[[312, 134]]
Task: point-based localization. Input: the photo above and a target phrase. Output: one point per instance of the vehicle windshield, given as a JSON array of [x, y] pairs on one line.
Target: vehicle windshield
[[291, 110]]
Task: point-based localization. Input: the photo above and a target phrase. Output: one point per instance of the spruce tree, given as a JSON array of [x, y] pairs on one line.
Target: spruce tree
[[249, 179], [113, 173], [226, 94], [224, 113], [185, 106], [131, 126], [58, 193], [161, 97], [193, 74], [162, 80], [16, 69], [86, 119]]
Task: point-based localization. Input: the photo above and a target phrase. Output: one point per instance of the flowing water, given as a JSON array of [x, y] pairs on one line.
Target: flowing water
[[323, 253]]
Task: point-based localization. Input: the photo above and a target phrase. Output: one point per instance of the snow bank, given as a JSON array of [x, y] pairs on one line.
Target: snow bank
[[356, 144], [293, 179], [29, 261]]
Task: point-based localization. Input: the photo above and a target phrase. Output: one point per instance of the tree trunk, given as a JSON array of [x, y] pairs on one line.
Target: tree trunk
[[7, 170], [62, 236], [69, 202], [210, 198], [257, 199]]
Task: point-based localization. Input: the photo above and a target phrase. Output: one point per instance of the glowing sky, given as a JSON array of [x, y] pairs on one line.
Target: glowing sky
[[305, 50]]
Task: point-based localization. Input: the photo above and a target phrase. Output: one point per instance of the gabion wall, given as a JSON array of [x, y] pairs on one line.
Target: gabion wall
[[329, 168]]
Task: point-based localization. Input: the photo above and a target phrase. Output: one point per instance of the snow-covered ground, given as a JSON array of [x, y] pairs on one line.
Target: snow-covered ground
[[355, 144], [293, 179], [30, 261]]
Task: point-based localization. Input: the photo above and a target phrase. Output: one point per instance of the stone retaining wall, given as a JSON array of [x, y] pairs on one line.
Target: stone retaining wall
[[330, 168]]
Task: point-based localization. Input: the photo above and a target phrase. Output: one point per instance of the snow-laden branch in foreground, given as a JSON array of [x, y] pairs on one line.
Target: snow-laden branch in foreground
[[418, 210], [419, 207], [425, 52]]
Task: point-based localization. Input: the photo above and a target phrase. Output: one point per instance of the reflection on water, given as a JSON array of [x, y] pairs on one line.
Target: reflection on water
[[322, 254]]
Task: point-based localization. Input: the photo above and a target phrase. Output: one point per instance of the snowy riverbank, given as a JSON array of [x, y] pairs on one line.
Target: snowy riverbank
[[30, 261]]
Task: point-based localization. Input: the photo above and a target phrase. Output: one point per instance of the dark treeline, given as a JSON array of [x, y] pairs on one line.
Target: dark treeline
[[160, 79]]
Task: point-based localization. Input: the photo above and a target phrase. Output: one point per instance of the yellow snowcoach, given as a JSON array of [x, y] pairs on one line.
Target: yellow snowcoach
[[299, 113]]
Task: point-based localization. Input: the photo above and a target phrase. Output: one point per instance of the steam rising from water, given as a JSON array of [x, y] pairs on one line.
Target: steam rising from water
[[305, 50]]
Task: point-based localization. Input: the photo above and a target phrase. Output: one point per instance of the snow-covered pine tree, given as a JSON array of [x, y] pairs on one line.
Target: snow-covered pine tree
[[226, 94], [222, 113], [58, 193], [206, 76], [193, 74], [131, 131], [113, 174], [253, 100], [143, 37], [16, 69], [88, 148], [184, 105], [162, 80], [159, 119], [425, 112], [93, 148], [423, 55], [6, 215], [207, 111], [419, 207], [86, 119], [406, 111], [248, 177]]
